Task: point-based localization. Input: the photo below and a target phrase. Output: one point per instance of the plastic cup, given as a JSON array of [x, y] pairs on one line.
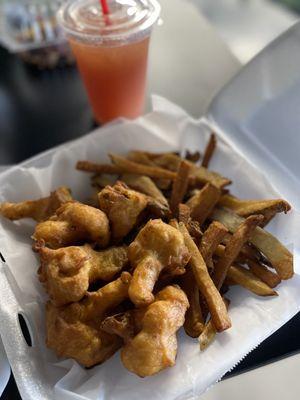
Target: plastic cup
[[111, 52]]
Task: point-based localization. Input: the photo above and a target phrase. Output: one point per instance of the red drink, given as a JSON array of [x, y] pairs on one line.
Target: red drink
[[114, 77], [111, 52]]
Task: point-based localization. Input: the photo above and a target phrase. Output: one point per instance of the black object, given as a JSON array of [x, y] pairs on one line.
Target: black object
[[40, 109]]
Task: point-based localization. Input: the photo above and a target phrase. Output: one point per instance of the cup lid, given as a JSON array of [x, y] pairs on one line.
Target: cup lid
[[128, 20]]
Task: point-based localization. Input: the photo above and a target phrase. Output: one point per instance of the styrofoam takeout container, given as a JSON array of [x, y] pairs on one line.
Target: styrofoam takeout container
[[245, 114]]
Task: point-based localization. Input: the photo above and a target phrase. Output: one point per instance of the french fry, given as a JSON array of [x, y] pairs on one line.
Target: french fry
[[210, 240], [143, 157], [278, 255], [263, 273], [244, 208], [125, 165], [248, 280], [201, 174], [180, 185], [195, 230], [209, 151], [184, 213], [209, 332], [193, 324], [203, 202], [238, 239], [89, 166], [205, 284], [145, 185]]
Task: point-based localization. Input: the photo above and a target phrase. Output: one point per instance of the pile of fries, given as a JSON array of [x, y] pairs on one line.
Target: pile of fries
[[158, 247]]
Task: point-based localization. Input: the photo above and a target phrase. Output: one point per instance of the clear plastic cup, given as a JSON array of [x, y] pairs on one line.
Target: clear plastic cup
[[111, 52]]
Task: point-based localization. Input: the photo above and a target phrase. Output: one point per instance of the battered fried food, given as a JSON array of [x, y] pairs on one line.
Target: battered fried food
[[278, 255], [73, 331], [67, 272], [123, 207], [74, 223], [154, 348], [40, 209], [157, 246]]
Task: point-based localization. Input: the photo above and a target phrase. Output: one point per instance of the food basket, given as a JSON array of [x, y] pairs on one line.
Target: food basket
[[247, 153]]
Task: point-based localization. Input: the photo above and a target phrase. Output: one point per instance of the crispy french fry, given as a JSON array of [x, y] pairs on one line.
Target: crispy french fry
[[180, 185], [244, 208], [89, 166], [278, 255], [205, 284], [145, 185], [263, 273], [203, 202], [248, 280], [209, 332], [168, 161], [146, 158], [238, 239], [184, 213], [193, 324], [210, 240], [209, 151], [132, 167], [201, 174]]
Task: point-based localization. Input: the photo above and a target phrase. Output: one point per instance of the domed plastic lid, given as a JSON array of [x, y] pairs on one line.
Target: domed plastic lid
[[128, 20]]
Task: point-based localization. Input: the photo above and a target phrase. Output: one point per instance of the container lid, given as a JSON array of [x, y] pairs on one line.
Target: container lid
[[128, 20], [258, 112]]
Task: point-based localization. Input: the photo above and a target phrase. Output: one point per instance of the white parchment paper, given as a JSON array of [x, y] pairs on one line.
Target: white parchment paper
[[39, 374]]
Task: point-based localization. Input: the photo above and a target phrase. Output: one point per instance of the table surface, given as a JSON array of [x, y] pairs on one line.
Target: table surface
[[40, 109]]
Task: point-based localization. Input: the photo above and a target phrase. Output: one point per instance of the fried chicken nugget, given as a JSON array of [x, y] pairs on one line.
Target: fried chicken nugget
[[157, 246], [73, 331], [154, 348], [73, 223], [40, 209], [67, 272], [122, 206]]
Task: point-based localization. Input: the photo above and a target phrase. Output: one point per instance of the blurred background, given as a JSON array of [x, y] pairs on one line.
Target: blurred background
[[249, 25]]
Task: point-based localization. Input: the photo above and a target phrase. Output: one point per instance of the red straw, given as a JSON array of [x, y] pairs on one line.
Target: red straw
[[104, 6]]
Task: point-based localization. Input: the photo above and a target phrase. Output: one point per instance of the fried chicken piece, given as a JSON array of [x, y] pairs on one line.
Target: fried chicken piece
[[157, 246], [73, 223], [73, 331], [123, 207], [67, 272], [126, 324], [154, 348], [40, 209]]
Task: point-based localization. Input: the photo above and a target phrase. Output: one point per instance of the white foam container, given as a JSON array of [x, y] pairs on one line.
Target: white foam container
[[251, 113]]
